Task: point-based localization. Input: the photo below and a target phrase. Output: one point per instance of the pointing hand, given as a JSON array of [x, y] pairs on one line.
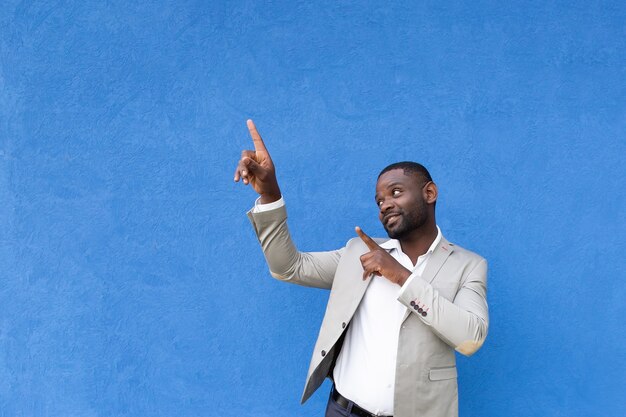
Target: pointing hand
[[380, 263], [257, 169]]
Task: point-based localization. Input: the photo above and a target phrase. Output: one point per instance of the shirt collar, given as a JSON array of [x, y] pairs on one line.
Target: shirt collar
[[395, 244]]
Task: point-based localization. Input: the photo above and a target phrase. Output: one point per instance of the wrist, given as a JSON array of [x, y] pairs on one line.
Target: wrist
[[403, 277], [267, 198]]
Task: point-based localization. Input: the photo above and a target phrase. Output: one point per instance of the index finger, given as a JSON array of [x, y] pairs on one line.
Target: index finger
[[366, 239], [256, 138]]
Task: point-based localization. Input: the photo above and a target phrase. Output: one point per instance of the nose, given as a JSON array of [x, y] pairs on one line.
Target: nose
[[386, 205]]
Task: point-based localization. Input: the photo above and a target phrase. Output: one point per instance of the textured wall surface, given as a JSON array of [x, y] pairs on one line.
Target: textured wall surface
[[131, 283]]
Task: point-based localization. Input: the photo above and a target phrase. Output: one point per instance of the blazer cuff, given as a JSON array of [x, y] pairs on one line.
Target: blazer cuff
[[264, 219], [416, 295]]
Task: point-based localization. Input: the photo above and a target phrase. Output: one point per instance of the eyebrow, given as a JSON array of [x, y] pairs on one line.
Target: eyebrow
[[389, 186]]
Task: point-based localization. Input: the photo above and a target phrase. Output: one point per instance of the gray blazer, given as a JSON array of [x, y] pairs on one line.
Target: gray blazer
[[451, 295]]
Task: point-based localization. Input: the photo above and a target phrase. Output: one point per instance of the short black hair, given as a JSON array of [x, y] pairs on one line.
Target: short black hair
[[409, 168]]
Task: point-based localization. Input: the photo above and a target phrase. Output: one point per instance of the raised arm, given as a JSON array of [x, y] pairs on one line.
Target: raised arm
[[312, 269]]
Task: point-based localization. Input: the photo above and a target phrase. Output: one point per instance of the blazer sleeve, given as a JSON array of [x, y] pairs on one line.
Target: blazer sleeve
[[462, 323], [286, 263]]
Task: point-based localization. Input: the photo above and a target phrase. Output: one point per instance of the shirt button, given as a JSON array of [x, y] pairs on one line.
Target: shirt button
[[343, 325], [323, 353]]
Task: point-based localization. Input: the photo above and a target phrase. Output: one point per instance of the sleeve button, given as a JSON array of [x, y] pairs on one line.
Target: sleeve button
[[412, 303], [343, 325], [424, 314], [323, 353]]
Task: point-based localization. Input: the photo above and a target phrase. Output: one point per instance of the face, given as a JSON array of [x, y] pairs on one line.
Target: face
[[402, 201]]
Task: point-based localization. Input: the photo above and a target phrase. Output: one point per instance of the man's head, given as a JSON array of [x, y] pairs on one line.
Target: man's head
[[406, 197]]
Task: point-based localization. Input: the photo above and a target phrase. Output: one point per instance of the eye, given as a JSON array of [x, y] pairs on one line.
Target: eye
[[379, 203], [395, 192]]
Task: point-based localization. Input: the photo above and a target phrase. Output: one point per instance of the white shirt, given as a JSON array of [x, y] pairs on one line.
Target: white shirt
[[365, 370]]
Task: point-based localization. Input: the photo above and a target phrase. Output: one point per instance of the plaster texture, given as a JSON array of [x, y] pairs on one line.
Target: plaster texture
[[131, 283]]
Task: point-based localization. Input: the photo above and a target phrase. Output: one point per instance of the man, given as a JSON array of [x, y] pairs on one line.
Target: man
[[398, 307]]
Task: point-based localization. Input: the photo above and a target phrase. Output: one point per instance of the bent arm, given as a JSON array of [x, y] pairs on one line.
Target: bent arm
[[286, 263], [462, 323]]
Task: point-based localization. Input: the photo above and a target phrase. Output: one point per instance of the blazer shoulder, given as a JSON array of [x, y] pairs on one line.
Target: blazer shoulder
[[357, 244], [466, 254]]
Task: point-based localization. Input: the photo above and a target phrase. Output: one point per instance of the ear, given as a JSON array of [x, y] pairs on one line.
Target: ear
[[430, 193]]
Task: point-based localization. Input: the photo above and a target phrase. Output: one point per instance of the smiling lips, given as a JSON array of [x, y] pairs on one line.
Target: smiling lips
[[390, 217]]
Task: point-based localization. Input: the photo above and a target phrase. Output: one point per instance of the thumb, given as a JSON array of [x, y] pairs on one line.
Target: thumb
[[251, 164]]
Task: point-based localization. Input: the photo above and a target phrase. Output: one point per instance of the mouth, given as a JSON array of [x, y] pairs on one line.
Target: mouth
[[390, 219]]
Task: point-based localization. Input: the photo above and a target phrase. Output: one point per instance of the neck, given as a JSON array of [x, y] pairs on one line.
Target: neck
[[417, 242]]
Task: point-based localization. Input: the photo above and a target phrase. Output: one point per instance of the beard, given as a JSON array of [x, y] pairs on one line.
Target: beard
[[407, 221]]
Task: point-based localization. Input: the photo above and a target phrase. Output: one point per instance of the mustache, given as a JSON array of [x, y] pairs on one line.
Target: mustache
[[389, 214]]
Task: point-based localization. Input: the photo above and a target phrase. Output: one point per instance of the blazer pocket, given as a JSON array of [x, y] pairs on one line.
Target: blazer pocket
[[439, 374]]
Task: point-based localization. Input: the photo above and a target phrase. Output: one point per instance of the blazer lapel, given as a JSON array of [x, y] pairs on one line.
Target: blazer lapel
[[349, 286], [437, 259]]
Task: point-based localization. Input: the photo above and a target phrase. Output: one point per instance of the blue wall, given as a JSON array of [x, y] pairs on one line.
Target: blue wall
[[131, 282]]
